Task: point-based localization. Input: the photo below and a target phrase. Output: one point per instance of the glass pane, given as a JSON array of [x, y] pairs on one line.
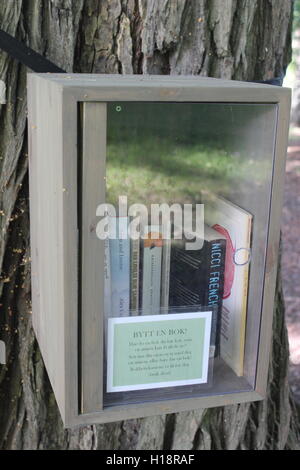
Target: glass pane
[[185, 155]]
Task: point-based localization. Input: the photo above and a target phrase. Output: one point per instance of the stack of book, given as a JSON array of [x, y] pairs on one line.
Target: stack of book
[[137, 273], [148, 275], [152, 275]]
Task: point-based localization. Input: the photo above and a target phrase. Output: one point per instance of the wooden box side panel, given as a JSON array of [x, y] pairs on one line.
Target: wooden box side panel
[[46, 222], [92, 249], [273, 243]]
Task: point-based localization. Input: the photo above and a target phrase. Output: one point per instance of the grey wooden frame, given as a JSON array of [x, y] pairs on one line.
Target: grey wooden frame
[[57, 238]]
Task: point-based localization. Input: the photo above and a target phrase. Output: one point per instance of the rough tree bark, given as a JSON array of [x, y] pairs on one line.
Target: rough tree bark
[[235, 39]]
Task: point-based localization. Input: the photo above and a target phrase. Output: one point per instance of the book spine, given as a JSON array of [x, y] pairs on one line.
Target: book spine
[[214, 288], [2, 353], [242, 327], [151, 283], [119, 249], [197, 278], [165, 274], [134, 276], [185, 276], [107, 280]]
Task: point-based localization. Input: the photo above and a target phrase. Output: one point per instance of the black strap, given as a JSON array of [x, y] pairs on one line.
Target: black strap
[[276, 81], [27, 56]]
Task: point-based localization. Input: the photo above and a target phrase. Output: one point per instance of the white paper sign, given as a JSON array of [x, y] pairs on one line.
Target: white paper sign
[[156, 351]]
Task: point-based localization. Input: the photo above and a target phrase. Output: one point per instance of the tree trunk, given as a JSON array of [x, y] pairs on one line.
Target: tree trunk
[[234, 39], [295, 116]]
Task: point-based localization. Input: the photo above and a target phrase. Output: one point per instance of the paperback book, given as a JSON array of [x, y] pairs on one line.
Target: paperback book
[[165, 269], [134, 275], [235, 224], [150, 270], [197, 276], [119, 251]]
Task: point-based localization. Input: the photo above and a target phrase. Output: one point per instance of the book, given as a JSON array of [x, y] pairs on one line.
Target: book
[[107, 280], [165, 272], [119, 251], [2, 353], [197, 276], [151, 260], [236, 224], [134, 275]]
